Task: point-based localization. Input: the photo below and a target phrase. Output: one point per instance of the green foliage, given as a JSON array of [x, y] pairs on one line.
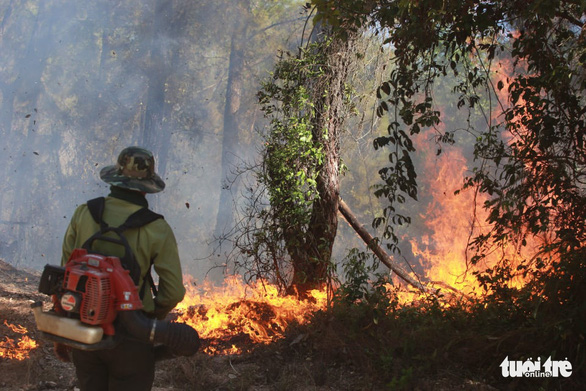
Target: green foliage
[[292, 155], [403, 382], [364, 285], [358, 269]]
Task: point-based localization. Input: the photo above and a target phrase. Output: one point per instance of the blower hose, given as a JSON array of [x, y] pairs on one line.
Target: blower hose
[[181, 338]]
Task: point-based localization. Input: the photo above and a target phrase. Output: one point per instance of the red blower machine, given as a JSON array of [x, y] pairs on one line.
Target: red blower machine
[[95, 302]]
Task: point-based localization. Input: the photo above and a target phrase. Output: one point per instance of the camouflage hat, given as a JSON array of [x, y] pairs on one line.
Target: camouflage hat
[[134, 170]]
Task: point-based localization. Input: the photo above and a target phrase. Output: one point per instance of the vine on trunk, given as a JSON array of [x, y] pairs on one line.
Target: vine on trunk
[[290, 236]]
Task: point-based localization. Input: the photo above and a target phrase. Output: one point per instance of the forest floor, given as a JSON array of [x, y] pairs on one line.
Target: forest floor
[[293, 363]]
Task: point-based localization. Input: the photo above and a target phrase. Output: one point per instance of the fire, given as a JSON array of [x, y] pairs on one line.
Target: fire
[[450, 220], [235, 316], [17, 349], [453, 220]]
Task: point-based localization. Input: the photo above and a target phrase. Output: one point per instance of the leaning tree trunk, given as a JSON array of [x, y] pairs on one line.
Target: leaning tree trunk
[[372, 244]]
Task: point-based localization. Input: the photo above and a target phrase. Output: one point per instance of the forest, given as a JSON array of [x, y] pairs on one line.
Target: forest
[[411, 174]]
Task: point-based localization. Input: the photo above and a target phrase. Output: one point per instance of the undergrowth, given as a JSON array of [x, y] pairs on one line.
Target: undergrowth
[[407, 346], [368, 340], [373, 343]]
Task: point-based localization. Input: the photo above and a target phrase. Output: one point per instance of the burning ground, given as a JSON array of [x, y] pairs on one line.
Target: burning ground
[[286, 364], [325, 355]]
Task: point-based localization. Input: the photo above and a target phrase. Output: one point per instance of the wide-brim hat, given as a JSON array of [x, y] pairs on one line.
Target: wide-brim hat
[[134, 170]]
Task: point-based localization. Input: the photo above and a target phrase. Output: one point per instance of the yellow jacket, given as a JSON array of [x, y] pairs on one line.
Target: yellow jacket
[[154, 242]]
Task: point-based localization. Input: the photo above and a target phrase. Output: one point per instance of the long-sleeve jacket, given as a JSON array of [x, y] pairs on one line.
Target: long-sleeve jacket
[[153, 243]]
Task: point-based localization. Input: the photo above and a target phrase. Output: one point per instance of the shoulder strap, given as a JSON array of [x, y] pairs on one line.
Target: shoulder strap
[[140, 218], [96, 207]]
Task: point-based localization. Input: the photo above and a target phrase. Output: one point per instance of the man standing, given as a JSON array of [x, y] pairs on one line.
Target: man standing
[[130, 365]]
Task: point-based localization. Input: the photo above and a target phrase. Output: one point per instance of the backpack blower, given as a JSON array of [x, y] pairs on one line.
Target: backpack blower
[[94, 296]]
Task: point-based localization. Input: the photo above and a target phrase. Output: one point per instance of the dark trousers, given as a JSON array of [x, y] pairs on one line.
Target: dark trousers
[[130, 366]]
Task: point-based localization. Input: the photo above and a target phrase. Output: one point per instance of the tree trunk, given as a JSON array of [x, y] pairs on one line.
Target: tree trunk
[[233, 125], [311, 271], [22, 96], [155, 134]]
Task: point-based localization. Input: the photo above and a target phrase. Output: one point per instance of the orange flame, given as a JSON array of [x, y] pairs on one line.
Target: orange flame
[[234, 317], [17, 349], [454, 220], [450, 219]]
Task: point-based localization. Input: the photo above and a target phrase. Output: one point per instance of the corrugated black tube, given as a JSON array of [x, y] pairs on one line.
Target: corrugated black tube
[[181, 338]]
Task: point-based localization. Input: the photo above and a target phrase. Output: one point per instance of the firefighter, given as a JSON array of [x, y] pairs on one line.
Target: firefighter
[[131, 364]]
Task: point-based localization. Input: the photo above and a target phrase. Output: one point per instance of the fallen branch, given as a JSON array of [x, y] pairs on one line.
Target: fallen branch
[[376, 249]]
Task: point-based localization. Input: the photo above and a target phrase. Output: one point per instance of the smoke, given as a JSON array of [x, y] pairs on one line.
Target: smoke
[[81, 80]]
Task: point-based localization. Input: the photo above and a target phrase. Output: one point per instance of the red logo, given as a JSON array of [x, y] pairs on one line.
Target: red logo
[[68, 302]]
